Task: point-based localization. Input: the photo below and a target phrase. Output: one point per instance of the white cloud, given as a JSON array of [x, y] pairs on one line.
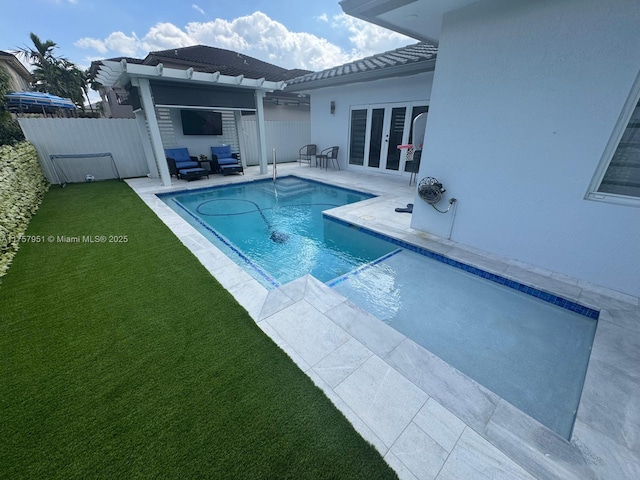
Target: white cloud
[[367, 38], [323, 18], [163, 36], [122, 44], [197, 8], [259, 36], [93, 43]]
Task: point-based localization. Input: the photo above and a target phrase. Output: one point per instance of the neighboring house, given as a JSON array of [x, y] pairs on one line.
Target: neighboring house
[[115, 101], [244, 90], [20, 76], [529, 103], [367, 107]]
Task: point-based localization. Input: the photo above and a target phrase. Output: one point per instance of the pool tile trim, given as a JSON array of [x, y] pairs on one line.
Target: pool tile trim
[[534, 292], [272, 281], [264, 180]]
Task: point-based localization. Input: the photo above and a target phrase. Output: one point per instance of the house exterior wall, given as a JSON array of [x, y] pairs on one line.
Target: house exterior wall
[[284, 112], [201, 144], [525, 98], [329, 129], [286, 136], [18, 82]]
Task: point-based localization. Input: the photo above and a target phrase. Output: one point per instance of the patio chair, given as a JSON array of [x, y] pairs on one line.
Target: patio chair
[[328, 154], [305, 154], [189, 173], [224, 161], [181, 158]]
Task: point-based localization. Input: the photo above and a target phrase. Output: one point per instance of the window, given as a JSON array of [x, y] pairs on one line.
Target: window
[[619, 180]]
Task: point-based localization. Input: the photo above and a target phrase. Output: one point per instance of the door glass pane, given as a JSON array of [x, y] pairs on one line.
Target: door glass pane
[[358, 135], [395, 137], [375, 143], [408, 166]]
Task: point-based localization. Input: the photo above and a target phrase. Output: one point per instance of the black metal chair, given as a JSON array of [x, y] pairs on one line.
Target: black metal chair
[[328, 155], [306, 152]]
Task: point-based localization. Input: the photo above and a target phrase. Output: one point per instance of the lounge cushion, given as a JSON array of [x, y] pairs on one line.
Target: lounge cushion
[[188, 164], [185, 171], [227, 161], [222, 151], [178, 154]]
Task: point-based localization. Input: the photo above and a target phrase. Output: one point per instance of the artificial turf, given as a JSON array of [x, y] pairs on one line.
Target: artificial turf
[[128, 360]]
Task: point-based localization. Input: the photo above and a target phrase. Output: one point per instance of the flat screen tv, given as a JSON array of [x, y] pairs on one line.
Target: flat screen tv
[[200, 122]]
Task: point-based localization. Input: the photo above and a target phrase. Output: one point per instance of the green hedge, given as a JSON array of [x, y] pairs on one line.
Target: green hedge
[[22, 187]]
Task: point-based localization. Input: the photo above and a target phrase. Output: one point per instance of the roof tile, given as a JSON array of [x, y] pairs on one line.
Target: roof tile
[[401, 56]]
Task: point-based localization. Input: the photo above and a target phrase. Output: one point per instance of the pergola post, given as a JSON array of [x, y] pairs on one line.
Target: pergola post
[[154, 130], [262, 143], [146, 144]]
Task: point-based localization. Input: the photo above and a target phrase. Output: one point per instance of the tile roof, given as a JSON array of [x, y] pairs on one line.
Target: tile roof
[[207, 59], [401, 61]]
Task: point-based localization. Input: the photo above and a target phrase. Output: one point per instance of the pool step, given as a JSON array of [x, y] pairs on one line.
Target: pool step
[[287, 187]]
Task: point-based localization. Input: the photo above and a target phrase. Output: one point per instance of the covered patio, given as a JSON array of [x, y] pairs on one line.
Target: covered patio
[[152, 87]]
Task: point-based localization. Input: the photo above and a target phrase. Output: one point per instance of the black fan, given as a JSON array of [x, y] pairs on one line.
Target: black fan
[[430, 190]]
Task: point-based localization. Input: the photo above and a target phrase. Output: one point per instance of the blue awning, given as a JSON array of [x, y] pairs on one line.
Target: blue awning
[[37, 102]]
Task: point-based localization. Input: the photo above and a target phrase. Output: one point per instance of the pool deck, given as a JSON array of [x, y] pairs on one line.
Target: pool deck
[[426, 418]]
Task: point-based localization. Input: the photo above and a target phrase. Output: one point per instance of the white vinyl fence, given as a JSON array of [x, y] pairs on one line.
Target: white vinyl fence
[[286, 136], [82, 136]]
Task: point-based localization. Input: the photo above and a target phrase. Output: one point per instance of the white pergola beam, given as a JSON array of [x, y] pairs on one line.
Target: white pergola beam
[[117, 69]]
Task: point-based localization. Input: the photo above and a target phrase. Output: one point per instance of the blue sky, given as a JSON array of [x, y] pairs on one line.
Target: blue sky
[[290, 33]]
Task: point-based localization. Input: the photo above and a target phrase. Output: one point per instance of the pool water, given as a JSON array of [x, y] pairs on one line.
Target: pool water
[[528, 351], [276, 231], [532, 348]]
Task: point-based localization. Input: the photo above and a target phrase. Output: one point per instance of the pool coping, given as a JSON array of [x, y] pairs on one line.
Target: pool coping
[[603, 444]]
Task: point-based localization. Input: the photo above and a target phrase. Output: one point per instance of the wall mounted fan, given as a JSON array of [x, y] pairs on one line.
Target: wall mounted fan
[[430, 190]]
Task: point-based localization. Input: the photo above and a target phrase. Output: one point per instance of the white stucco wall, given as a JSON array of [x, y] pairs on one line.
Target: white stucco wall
[[284, 112], [333, 129], [525, 98]]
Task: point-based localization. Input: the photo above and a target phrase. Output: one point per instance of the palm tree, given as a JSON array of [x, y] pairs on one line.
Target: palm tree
[[53, 74]]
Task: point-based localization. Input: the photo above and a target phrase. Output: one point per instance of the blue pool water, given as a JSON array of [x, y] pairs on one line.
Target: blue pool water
[[530, 348], [532, 353], [277, 231]]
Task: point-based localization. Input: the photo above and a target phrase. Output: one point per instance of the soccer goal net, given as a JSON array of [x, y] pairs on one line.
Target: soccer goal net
[[84, 167]]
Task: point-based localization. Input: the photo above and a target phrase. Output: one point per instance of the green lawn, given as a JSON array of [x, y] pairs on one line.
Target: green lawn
[[128, 360]]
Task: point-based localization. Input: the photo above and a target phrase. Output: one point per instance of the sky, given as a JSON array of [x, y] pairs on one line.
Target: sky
[[288, 33]]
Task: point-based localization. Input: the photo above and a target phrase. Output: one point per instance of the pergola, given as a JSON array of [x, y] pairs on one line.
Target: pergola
[[156, 86]]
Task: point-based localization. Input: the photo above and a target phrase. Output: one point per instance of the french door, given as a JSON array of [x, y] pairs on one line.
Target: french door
[[375, 133]]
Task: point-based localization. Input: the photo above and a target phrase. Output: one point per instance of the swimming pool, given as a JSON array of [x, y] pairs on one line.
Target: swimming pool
[[276, 230], [532, 352], [530, 347]]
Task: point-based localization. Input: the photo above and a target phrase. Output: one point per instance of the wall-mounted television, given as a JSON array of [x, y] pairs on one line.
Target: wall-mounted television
[[201, 122]]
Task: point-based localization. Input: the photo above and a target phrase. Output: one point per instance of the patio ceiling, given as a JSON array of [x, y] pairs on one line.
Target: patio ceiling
[[119, 74], [420, 19]]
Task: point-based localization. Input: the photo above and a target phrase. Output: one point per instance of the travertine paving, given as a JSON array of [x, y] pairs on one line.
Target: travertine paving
[[427, 419]]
